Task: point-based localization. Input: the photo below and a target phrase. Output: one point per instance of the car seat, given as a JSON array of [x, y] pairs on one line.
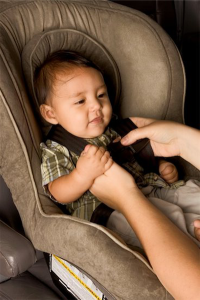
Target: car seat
[[146, 78], [162, 11], [24, 273]]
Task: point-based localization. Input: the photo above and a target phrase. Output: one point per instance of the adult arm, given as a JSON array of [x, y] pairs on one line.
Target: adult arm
[[167, 139], [173, 256]]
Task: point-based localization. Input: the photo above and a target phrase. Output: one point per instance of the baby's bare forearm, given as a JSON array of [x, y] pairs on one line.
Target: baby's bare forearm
[[69, 188]]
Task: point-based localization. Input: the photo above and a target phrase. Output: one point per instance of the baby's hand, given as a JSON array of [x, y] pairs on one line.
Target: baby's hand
[[197, 229], [93, 162], [168, 171]]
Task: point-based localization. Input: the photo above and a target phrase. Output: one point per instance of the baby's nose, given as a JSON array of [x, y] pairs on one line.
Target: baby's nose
[[95, 104]]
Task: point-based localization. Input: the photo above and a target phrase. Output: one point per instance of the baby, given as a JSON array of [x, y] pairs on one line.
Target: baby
[[73, 94]]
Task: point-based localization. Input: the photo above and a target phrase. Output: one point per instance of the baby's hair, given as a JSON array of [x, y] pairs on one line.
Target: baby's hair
[[44, 76]]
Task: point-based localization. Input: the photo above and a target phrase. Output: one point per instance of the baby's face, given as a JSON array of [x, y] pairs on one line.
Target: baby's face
[[80, 102]]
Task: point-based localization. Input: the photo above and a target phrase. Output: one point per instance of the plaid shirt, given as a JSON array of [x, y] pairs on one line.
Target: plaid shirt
[[57, 161]]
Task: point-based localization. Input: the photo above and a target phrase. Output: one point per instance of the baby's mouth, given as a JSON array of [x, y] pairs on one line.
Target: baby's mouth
[[97, 120]]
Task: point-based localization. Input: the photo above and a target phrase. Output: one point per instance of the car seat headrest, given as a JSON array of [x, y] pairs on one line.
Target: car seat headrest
[[42, 45]]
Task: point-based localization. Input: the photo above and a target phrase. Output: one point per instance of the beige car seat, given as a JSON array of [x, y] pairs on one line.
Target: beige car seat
[[146, 78]]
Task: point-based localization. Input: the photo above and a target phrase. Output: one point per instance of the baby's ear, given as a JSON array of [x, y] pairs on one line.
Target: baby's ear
[[48, 114]]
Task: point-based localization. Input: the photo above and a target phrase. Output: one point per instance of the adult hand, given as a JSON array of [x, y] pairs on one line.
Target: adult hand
[[167, 139], [163, 136], [116, 183]]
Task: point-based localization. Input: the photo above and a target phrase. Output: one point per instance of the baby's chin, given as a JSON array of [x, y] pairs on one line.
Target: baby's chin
[[94, 133]]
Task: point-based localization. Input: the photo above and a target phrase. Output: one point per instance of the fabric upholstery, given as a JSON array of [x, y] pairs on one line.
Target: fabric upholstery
[[142, 38], [162, 11]]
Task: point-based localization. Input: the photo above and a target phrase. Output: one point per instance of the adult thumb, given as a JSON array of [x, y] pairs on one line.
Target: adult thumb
[[134, 135]]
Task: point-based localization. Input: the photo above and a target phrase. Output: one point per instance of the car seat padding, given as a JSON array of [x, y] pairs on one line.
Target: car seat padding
[[152, 85], [45, 43]]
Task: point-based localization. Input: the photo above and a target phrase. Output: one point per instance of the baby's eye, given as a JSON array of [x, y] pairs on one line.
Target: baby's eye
[[102, 95], [80, 101]]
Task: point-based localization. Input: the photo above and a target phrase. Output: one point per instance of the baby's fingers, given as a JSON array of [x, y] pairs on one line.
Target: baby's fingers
[[89, 150], [106, 160], [108, 164], [197, 229], [105, 157], [101, 152], [170, 174]]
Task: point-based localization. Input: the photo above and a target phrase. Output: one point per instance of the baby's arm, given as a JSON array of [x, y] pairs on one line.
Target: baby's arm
[[90, 165], [168, 171]]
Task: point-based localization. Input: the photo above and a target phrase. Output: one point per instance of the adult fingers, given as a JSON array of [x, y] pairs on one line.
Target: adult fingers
[[135, 135], [141, 122], [141, 132]]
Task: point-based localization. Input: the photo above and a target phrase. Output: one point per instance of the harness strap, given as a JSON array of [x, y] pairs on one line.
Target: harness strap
[[141, 149], [61, 136]]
